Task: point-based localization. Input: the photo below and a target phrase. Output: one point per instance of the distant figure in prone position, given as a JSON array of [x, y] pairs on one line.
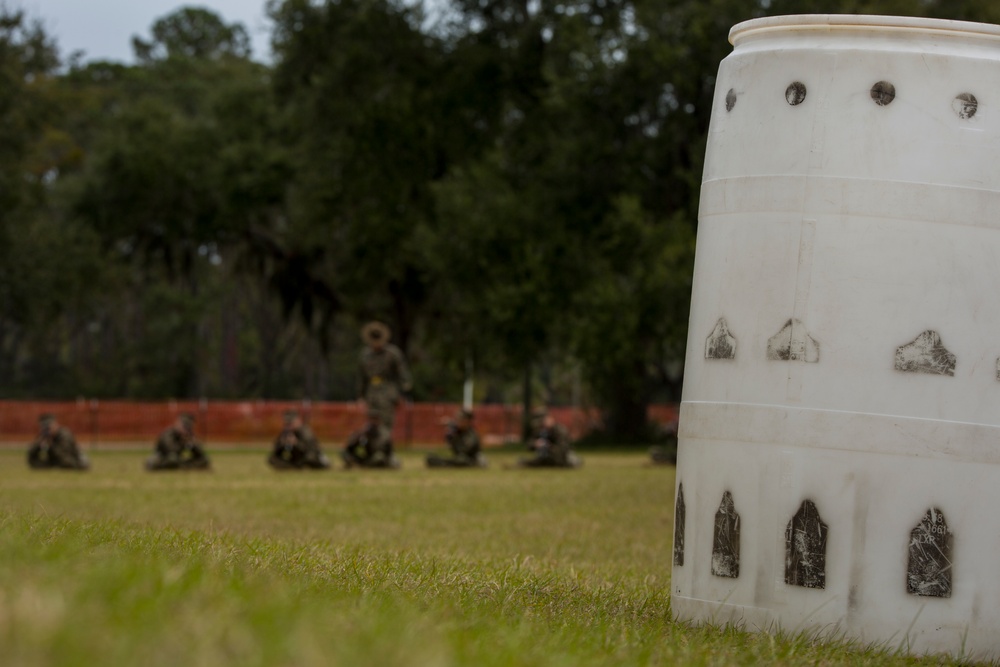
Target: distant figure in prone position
[[371, 447], [177, 448], [296, 447], [55, 447], [661, 456], [464, 442], [665, 455], [551, 444]]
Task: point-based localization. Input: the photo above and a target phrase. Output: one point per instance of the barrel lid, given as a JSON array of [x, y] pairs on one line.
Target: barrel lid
[[860, 22]]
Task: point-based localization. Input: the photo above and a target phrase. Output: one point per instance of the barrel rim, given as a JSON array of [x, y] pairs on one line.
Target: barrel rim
[[828, 22]]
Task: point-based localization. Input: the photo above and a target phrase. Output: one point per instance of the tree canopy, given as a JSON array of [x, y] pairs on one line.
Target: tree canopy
[[504, 182]]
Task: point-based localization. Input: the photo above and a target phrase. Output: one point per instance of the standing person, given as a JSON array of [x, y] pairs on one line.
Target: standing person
[[461, 436], [55, 447], [551, 444], [383, 375], [296, 447], [177, 448], [370, 447]]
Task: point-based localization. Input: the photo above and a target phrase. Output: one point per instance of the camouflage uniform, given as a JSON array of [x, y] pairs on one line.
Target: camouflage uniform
[[666, 454], [296, 448], [662, 455], [371, 447], [465, 448], [56, 450], [178, 450], [383, 376], [552, 449]]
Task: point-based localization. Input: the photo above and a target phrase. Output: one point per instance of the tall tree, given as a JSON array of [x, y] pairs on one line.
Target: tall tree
[[192, 32], [186, 164], [366, 125], [596, 156], [40, 275]]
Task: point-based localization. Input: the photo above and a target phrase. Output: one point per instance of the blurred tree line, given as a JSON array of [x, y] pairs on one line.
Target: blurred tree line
[[512, 185]]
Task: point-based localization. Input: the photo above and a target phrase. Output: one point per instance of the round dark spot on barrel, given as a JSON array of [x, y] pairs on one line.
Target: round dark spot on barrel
[[965, 105], [883, 93], [795, 94], [730, 99]]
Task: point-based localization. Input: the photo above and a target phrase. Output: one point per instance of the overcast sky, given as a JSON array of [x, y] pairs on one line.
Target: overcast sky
[[103, 29]]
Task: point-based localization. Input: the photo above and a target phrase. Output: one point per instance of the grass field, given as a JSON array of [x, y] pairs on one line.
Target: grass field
[[246, 566]]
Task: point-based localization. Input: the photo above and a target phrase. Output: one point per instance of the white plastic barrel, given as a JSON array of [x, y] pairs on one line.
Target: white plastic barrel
[[839, 461]]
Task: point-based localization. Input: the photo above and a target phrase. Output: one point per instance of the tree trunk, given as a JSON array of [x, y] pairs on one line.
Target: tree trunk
[[526, 405], [625, 418]]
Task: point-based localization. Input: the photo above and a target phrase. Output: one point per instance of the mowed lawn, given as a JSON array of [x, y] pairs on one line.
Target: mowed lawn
[[247, 566]]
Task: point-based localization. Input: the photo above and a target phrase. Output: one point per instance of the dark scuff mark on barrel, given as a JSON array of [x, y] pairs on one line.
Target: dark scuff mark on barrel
[[965, 105], [795, 94], [721, 344], [730, 99], [883, 93], [926, 354], [680, 515], [793, 343], [805, 548], [726, 539], [928, 572]]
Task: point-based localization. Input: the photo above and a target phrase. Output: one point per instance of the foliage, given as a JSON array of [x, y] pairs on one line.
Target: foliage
[[192, 32], [182, 171], [41, 257], [509, 183], [28, 60], [368, 142], [641, 284]]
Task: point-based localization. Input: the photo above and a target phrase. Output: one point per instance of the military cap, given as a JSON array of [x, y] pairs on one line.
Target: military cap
[[290, 415], [187, 419], [375, 332], [46, 418], [463, 414]]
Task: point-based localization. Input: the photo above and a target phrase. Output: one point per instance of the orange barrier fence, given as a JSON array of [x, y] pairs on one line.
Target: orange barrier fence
[[99, 423]]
